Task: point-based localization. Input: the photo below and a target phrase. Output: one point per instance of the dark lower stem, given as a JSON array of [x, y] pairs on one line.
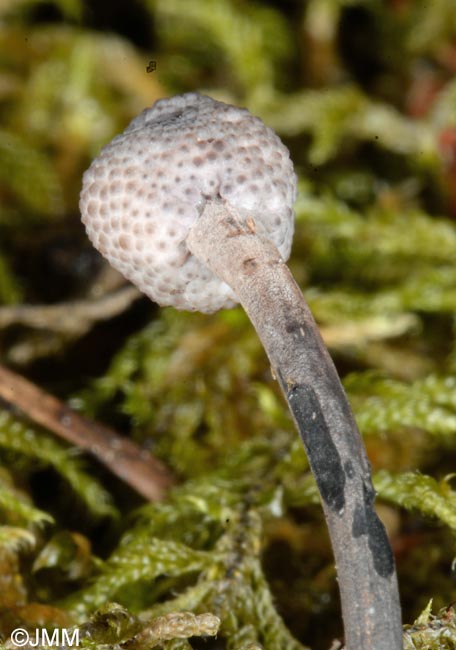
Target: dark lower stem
[[252, 266]]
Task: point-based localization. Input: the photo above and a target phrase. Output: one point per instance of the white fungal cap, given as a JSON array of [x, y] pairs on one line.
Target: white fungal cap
[[146, 189]]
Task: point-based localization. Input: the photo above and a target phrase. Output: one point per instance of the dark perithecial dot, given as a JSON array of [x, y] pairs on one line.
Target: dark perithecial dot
[[180, 163], [188, 191], [144, 176], [161, 245], [135, 212], [247, 160], [212, 155], [218, 145], [124, 242], [177, 179], [115, 187], [241, 178], [253, 187], [202, 144], [197, 161], [92, 208], [183, 148]]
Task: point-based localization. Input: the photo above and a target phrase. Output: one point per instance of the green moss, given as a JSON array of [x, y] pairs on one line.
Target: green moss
[[38, 449], [371, 131]]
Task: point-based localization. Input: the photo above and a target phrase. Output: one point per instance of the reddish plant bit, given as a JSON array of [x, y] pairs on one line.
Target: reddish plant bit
[[446, 56], [194, 203], [425, 87], [447, 147]]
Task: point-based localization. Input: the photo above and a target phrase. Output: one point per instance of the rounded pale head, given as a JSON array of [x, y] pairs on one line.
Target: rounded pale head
[[146, 189]]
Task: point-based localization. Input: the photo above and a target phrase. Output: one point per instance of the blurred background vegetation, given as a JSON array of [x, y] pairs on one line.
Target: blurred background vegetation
[[363, 92]]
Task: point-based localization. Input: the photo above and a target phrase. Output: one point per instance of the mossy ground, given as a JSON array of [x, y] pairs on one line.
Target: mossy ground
[[363, 93]]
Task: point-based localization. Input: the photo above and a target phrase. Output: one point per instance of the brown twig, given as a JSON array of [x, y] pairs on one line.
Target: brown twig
[[70, 318], [136, 467]]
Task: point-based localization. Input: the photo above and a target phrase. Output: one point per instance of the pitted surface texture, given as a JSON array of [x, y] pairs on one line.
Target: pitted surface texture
[[146, 189]]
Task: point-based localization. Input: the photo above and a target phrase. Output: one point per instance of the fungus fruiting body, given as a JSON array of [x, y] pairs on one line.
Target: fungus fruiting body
[[194, 204], [147, 188]]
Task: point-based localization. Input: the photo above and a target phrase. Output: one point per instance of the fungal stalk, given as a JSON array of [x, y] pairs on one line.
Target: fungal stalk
[[194, 204]]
